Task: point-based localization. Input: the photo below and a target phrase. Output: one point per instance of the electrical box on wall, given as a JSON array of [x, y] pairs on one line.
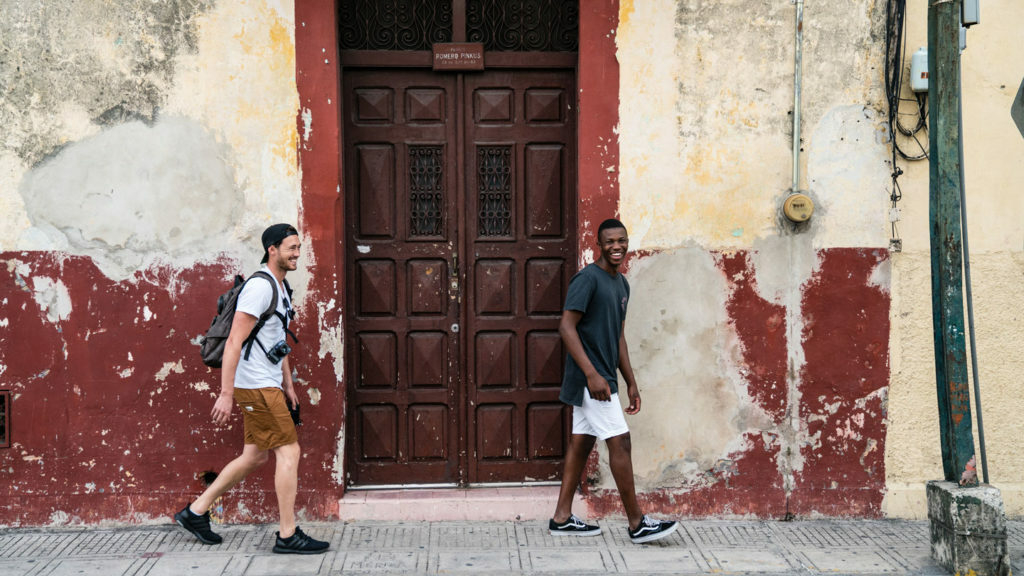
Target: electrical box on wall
[[970, 12], [919, 70]]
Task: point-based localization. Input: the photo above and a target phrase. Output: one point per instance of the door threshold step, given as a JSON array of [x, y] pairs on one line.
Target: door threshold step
[[447, 504]]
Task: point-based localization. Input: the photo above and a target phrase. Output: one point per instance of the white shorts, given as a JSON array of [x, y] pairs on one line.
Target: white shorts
[[601, 419]]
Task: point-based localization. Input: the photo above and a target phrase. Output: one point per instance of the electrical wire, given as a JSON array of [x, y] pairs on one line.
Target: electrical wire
[[895, 56]]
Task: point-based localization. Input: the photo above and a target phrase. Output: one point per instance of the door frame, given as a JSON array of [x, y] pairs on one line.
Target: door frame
[[465, 435], [318, 69]]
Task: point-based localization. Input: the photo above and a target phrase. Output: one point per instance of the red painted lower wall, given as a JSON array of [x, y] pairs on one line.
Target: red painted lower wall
[[110, 411], [841, 391]]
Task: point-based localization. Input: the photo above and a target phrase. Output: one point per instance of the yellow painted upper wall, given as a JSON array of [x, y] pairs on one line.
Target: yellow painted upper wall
[[706, 96], [181, 122]]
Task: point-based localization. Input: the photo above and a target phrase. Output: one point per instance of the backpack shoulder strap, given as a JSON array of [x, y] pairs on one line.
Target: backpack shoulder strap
[[266, 315]]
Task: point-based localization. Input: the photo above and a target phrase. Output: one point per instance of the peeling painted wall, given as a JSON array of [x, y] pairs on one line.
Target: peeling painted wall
[[147, 145], [770, 370]]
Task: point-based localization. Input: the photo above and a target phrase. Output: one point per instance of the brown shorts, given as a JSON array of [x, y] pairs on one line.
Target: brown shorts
[[268, 424]]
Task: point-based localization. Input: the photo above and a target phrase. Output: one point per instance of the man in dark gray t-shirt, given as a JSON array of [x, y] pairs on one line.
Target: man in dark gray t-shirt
[[592, 331], [602, 299]]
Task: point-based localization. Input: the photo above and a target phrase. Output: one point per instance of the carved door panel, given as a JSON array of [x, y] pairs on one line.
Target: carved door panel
[[453, 370], [402, 368], [520, 237]]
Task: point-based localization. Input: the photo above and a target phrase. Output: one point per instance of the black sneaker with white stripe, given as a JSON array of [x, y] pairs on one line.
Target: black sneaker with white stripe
[[650, 530], [198, 525], [572, 527], [299, 543]]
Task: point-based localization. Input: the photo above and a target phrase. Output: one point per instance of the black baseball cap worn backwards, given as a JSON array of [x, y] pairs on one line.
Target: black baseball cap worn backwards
[[274, 235]]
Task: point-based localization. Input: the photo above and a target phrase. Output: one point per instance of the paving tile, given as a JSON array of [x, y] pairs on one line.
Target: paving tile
[[21, 567], [33, 544], [848, 561], [916, 559], [91, 566], [386, 535], [474, 562], [537, 536], [747, 560], [398, 562], [654, 561], [731, 534], [204, 565], [575, 561], [290, 564], [458, 535]]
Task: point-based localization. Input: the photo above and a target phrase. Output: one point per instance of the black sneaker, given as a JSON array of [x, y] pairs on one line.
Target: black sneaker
[[299, 543], [572, 527], [198, 525], [650, 530]]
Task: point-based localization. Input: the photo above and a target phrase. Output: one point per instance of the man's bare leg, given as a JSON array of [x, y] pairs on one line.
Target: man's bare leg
[[286, 482], [580, 446], [620, 460], [250, 459]]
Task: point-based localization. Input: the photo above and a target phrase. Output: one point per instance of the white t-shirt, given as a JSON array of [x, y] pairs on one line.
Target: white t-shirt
[[257, 371]]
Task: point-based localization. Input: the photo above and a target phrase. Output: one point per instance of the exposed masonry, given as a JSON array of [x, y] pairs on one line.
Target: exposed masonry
[[116, 69]]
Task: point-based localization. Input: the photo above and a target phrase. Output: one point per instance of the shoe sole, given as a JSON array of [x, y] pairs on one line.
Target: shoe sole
[[277, 550], [565, 533], [655, 536], [194, 533]]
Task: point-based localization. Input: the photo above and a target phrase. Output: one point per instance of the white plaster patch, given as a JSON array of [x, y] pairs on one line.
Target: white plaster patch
[[147, 314], [53, 298], [126, 373], [881, 276], [332, 340], [307, 124], [338, 469], [363, 249], [682, 345], [782, 267], [314, 396], [200, 386], [848, 171], [59, 518], [167, 368], [166, 194]]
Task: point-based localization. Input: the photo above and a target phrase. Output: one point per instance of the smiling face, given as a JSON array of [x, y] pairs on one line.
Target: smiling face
[[286, 256], [613, 244]]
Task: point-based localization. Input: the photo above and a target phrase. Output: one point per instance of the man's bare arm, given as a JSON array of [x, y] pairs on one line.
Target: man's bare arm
[[241, 325]]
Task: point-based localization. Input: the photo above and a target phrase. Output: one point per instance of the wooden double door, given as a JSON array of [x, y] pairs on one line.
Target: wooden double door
[[460, 240]]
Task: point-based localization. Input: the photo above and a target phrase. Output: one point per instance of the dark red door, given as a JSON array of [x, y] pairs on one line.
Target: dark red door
[[460, 242], [520, 182]]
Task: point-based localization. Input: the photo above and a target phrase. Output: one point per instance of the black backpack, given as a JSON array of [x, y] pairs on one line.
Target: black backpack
[[216, 337]]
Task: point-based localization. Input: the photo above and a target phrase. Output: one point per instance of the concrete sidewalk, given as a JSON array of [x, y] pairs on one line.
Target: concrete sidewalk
[[371, 547]]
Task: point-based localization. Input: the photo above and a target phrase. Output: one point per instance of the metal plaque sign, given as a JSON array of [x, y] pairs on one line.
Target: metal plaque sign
[[459, 56]]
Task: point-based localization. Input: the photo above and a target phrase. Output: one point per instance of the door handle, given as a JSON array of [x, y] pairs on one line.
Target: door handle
[[454, 282]]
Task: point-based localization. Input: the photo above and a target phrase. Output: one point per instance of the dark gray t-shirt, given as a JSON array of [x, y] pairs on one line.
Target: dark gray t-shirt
[[602, 298]]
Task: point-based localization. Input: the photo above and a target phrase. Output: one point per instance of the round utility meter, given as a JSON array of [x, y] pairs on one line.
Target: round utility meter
[[798, 207]]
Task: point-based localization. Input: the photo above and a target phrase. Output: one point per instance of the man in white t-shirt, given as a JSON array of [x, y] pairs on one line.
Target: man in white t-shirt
[[255, 375]]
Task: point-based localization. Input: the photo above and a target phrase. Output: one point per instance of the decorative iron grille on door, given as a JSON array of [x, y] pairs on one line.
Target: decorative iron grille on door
[[500, 25]]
